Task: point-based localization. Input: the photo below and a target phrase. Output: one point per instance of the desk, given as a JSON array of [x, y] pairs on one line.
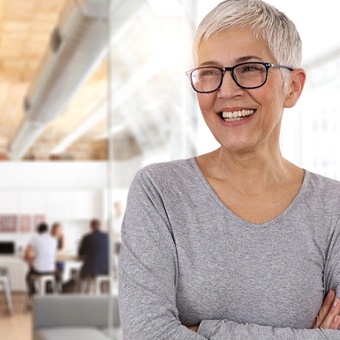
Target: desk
[[68, 257], [71, 262], [18, 269]]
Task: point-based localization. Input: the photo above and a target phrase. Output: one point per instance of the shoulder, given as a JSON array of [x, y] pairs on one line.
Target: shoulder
[[322, 188], [104, 235], [33, 240], [323, 183], [166, 167], [167, 172], [100, 233], [50, 239], [87, 236], [167, 178]]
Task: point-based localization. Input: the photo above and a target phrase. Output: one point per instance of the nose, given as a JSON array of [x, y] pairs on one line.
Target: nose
[[229, 87]]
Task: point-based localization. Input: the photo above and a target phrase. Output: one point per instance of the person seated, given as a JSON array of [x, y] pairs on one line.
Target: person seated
[[57, 233], [40, 254]]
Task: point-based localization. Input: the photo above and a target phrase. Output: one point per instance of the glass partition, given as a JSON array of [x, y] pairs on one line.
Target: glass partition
[[152, 114]]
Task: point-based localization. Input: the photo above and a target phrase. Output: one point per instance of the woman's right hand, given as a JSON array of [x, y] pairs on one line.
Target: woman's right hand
[[329, 313]]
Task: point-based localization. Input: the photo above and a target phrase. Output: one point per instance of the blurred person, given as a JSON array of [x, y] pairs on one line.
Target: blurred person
[[94, 251], [238, 243], [117, 218], [117, 224], [40, 254], [58, 234]]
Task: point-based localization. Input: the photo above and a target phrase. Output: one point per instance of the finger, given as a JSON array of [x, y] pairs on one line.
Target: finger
[[335, 324], [332, 315], [324, 310], [194, 328]]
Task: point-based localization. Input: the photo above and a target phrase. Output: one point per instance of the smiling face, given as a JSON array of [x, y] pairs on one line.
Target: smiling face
[[242, 120]]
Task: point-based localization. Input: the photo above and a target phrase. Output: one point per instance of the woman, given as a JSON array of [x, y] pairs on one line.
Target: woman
[[57, 232], [238, 243]]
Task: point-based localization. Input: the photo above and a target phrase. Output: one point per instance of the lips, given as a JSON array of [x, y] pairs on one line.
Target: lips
[[236, 115]]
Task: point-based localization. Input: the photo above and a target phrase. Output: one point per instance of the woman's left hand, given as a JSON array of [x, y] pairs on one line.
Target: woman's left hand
[[194, 328], [328, 316]]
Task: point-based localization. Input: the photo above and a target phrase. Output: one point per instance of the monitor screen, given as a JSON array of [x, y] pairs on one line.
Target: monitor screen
[[7, 247]]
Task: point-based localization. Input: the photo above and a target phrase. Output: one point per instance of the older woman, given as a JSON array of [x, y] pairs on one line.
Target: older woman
[[238, 243]]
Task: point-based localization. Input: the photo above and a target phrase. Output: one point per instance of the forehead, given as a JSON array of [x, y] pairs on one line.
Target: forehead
[[230, 46]]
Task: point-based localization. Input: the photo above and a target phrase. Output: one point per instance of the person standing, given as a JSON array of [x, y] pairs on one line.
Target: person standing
[[40, 254], [94, 250]]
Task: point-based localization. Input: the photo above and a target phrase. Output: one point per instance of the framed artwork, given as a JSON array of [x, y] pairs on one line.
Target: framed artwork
[[25, 224], [8, 223]]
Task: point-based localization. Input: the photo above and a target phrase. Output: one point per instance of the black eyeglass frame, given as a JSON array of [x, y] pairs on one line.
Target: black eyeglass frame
[[231, 70]]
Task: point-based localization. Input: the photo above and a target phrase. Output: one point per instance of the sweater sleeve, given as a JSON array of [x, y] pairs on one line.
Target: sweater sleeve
[[148, 271], [332, 263], [228, 330]]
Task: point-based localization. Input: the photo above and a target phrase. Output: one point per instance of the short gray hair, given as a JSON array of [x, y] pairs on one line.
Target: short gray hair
[[265, 21]]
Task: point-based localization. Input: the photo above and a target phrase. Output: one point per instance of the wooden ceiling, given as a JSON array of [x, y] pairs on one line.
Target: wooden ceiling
[[25, 29], [139, 126]]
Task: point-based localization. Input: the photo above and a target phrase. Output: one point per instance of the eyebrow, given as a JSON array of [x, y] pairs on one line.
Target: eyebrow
[[237, 61]]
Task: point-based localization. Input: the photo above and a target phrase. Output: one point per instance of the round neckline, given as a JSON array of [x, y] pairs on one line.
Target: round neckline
[[216, 198]]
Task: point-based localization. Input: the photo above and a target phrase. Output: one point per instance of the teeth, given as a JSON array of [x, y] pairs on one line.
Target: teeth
[[237, 115]]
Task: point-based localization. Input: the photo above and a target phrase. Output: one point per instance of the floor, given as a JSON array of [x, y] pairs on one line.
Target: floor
[[18, 325]]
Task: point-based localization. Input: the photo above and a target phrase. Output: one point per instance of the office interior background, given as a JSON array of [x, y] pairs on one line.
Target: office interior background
[[92, 90]]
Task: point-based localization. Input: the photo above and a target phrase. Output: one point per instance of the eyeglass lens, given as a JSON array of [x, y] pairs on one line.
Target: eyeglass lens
[[209, 79]]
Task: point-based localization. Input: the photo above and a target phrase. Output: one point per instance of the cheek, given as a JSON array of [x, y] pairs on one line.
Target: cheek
[[206, 102], [272, 97], [278, 89]]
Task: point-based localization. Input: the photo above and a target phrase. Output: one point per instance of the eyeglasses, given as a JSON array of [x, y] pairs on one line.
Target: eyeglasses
[[207, 79]]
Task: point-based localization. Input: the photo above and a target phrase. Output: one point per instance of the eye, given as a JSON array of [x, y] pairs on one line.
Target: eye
[[207, 72], [250, 68]]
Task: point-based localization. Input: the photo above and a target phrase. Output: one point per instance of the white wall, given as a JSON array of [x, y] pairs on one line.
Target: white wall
[[70, 192]]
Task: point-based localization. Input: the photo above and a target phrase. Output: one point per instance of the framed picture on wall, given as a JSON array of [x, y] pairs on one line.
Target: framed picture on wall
[[8, 223], [25, 223]]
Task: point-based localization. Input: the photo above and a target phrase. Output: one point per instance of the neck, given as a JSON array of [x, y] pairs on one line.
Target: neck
[[249, 173]]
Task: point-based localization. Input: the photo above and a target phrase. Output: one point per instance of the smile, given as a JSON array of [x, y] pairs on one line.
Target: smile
[[236, 115]]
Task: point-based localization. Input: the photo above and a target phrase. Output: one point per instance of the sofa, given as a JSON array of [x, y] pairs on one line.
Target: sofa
[[75, 316]]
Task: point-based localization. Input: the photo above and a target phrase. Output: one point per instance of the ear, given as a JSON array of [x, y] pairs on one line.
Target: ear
[[295, 86]]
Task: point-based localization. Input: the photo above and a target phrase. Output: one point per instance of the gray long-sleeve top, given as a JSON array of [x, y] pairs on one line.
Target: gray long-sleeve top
[[187, 259]]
